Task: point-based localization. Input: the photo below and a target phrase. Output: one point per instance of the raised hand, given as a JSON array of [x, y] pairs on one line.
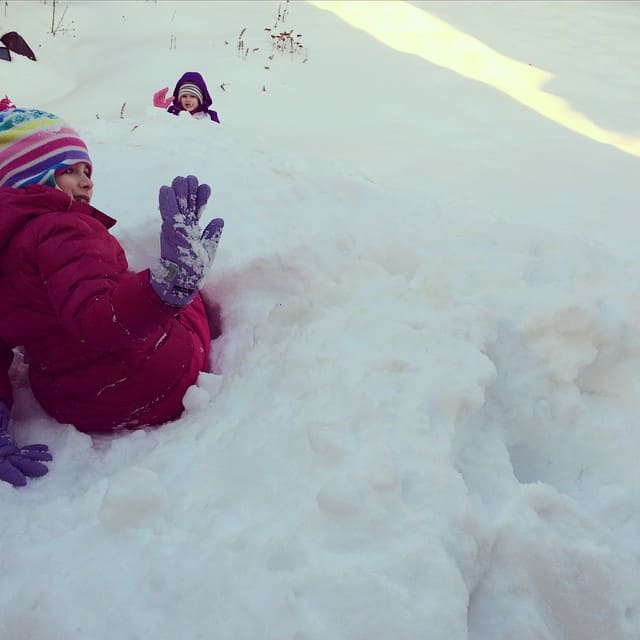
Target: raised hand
[[162, 98], [185, 251]]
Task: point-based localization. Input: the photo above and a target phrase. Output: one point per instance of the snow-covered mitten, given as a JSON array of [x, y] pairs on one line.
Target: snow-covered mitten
[[19, 463], [186, 252]]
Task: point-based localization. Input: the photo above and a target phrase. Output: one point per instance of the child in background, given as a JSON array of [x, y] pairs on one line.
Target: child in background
[[190, 94], [108, 348]]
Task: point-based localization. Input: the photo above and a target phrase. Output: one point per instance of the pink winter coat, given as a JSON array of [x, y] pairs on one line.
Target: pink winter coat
[[105, 352]]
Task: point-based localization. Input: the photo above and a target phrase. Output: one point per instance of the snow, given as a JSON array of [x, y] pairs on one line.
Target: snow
[[422, 416]]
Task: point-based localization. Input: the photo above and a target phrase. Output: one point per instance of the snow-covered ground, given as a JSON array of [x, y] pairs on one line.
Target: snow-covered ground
[[423, 421]]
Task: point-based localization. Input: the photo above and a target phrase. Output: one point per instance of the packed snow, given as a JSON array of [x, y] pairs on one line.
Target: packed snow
[[421, 419]]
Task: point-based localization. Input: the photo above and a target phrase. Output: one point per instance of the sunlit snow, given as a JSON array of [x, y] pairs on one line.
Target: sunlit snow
[[422, 416]]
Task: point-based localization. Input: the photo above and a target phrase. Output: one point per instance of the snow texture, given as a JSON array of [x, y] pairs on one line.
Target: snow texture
[[422, 420]]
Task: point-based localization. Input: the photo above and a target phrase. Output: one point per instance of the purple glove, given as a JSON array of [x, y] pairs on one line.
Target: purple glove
[[186, 252], [18, 464]]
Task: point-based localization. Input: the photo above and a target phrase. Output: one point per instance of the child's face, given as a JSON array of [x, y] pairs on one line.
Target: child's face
[[75, 182], [189, 102]]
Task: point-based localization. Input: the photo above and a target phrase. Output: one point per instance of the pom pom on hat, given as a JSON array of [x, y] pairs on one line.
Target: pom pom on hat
[[35, 144], [191, 88]]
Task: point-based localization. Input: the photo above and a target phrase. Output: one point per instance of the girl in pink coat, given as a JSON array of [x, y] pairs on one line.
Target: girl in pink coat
[[108, 348]]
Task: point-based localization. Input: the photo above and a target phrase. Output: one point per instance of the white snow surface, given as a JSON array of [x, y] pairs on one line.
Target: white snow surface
[[423, 416]]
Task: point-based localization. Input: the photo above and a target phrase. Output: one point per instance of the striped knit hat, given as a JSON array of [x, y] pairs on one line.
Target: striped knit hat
[[193, 89], [34, 144]]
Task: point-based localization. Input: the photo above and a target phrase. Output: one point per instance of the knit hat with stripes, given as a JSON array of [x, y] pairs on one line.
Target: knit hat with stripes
[[34, 144], [191, 88]]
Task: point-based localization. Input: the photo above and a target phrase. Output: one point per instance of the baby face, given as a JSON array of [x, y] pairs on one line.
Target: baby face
[[189, 102]]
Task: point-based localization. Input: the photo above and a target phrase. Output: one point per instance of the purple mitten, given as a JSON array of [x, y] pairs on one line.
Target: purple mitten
[[183, 258], [18, 464]]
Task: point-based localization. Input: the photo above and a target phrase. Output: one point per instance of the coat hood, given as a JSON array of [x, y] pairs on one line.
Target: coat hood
[[193, 77]]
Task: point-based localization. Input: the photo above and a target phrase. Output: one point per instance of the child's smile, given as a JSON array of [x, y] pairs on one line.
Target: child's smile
[[189, 102]]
